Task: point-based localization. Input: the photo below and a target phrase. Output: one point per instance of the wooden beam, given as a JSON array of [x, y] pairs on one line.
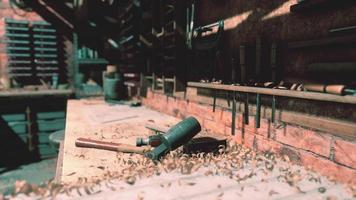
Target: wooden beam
[[277, 92]]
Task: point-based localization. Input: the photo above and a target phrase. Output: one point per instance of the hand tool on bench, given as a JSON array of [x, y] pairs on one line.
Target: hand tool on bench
[[110, 146]]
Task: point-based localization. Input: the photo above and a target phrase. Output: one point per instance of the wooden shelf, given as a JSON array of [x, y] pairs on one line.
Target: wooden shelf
[[341, 40], [277, 92], [317, 5], [37, 93], [96, 61]]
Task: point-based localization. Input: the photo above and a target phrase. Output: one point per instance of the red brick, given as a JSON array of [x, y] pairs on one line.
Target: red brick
[[345, 153], [267, 145], [318, 143], [226, 117], [214, 127], [201, 110], [248, 139], [328, 168]]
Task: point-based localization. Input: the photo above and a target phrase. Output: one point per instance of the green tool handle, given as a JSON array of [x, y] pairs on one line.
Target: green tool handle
[[246, 112], [258, 111]]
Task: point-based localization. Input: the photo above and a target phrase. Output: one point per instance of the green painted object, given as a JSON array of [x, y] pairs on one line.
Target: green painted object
[[18, 127], [14, 117], [114, 87], [51, 125], [51, 115], [176, 136]]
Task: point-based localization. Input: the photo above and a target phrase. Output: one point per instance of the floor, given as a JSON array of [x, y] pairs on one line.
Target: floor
[[35, 173], [233, 173]]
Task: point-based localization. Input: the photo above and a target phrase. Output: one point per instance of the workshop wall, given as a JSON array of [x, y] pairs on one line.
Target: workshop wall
[[273, 22], [11, 11], [322, 152]]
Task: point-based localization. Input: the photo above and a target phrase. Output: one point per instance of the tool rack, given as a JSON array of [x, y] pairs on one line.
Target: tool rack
[[18, 49], [46, 57], [32, 51], [340, 128]]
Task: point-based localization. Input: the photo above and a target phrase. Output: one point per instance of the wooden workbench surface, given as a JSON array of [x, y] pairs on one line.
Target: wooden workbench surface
[[97, 120]]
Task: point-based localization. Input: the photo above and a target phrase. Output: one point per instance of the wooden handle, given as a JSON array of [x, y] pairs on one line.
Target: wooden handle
[[315, 87], [335, 89], [111, 146]]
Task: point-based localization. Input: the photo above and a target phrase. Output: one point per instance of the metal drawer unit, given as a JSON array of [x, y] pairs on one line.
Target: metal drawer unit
[[47, 123], [18, 50], [46, 51]]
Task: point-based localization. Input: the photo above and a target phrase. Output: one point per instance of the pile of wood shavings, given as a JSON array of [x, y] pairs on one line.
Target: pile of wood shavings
[[230, 162]]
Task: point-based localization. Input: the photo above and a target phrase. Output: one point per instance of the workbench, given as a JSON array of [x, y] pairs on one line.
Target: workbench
[[98, 120], [120, 123]]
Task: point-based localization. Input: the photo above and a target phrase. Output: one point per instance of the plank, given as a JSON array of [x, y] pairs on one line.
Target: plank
[[278, 92]]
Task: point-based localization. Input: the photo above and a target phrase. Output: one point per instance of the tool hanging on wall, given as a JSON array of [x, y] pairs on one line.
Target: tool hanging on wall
[[274, 77], [243, 81], [258, 71], [190, 25], [233, 111]]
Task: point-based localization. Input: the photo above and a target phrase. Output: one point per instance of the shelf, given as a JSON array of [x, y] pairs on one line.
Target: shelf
[[96, 61], [38, 93], [317, 5], [323, 42], [278, 92]]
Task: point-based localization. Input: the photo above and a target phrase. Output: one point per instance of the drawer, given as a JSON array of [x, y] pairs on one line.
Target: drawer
[[14, 117], [51, 125], [43, 138], [51, 115], [18, 127], [46, 150]]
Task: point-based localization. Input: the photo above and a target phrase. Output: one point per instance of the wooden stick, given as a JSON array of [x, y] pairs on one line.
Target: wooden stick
[[110, 146]]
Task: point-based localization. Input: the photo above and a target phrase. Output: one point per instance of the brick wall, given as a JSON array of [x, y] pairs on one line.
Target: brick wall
[[326, 154], [273, 21]]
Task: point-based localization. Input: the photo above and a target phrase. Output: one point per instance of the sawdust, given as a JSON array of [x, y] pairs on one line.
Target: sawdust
[[228, 162]]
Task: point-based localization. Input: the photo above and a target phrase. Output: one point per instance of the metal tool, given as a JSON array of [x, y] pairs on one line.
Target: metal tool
[[274, 77], [233, 112], [110, 146], [258, 111], [246, 111], [176, 136], [258, 71]]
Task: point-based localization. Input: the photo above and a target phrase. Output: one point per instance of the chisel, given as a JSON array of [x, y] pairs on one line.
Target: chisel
[[110, 146], [233, 112]]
